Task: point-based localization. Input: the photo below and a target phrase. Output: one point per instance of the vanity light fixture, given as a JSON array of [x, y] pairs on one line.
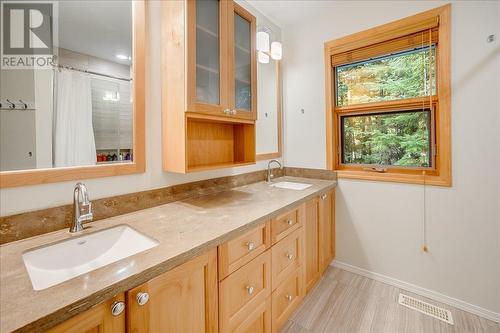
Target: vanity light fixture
[[264, 51], [276, 50], [263, 57]]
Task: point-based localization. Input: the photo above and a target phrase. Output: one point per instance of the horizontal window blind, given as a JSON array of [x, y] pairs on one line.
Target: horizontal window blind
[[408, 42]]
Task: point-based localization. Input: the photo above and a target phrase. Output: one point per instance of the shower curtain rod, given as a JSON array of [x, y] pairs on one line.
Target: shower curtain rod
[[93, 73]]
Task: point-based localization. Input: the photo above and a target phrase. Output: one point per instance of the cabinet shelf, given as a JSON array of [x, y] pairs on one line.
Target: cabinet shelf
[[213, 144]]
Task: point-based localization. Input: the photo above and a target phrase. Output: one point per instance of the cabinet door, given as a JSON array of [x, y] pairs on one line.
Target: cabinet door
[[242, 63], [207, 56], [98, 319], [312, 240], [327, 229], [181, 300]]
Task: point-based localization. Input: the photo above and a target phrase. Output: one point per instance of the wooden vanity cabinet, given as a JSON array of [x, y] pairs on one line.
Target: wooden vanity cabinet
[[319, 236], [208, 70], [251, 283], [181, 300], [98, 319]]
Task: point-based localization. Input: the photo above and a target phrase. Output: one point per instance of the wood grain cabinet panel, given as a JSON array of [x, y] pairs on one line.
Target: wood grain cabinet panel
[[284, 224], [181, 300], [286, 257], [237, 252], [319, 235], [286, 298], [97, 319], [311, 239], [327, 229], [244, 290]]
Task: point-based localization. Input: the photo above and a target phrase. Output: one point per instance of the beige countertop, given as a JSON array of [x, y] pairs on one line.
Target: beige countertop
[[183, 229]]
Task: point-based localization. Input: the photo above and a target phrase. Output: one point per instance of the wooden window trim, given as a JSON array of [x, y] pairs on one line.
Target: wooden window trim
[[438, 18]]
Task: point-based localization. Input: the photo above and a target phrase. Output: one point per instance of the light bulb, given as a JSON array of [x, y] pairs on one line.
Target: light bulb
[[276, 50], [262, 41]]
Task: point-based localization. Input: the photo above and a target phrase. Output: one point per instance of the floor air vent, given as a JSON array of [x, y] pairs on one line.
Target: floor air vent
[[426, 308]]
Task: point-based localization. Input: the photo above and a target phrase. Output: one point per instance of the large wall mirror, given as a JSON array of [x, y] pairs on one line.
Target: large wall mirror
[[82, 116], [269, 101]]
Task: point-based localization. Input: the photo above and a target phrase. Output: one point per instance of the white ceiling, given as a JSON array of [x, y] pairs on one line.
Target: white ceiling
[[99, 28], [286, 12]]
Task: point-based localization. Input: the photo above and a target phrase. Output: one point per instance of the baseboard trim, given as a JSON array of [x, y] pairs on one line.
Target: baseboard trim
[[459, 304]]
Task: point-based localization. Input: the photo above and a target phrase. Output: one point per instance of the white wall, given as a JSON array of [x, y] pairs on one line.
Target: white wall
[[379, 224], [15, 200]]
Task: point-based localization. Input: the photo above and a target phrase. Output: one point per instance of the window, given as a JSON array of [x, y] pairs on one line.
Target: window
[[400, 138], [388, 101]]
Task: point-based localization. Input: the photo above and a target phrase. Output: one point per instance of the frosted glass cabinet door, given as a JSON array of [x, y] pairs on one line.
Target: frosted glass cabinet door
[[243, 69], [208, 52]]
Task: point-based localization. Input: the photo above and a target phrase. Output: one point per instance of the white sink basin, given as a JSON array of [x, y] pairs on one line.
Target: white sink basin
[[56, 263], [291, 185]]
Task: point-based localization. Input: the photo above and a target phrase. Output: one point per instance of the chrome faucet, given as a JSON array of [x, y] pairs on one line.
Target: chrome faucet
[[269, 176], [82, 208]]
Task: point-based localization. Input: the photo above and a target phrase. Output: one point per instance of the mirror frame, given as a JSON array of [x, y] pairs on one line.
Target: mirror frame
[[279, 114], [51, 175]]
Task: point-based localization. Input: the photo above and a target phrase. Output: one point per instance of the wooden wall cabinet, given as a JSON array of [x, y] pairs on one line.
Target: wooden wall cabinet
[[181, 300], [209, 101]]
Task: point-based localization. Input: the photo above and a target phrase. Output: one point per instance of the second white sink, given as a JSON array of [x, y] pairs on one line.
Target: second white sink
[[291, 185], [53, 264]]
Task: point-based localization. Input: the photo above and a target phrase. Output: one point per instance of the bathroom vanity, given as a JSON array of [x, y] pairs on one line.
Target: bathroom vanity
[[237, 260]]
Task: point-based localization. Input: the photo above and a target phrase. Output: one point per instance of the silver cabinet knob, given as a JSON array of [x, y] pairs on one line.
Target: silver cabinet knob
[[233, 111], [289, 222], [250, 290], [289, 298], [289, 256], [117, 308], [227, 111], [250, 246], [142, 298], [323, 196]]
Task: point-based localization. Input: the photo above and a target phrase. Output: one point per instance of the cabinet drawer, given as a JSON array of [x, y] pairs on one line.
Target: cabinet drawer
[[244, 290], [259, 321], [283, 225], [286, 257], [286, 298], [237, 252]]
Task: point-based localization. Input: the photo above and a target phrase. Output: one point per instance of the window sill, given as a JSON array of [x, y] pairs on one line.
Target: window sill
[[395, 177]]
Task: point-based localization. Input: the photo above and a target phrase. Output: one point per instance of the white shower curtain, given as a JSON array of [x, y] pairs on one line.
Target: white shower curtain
[[74, 142]]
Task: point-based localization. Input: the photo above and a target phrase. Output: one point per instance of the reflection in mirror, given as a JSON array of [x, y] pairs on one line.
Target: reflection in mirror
[[268, 131], [79, 112]]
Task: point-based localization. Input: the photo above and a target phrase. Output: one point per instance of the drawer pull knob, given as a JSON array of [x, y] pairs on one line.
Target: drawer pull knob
[[117, 308], [323, 196], [250, 290], [289, 222], [289, 256], [289, 298], [250, 246], [142, 298]]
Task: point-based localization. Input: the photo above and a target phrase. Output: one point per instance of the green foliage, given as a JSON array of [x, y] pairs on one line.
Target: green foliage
[[402, 138]]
